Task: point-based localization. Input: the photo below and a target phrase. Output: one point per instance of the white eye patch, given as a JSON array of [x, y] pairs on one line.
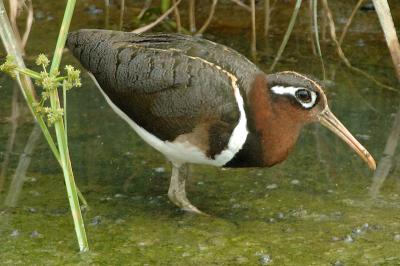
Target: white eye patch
[[282, 90]]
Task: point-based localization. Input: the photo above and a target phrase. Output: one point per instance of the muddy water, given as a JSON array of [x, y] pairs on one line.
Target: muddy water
[[313, 209]]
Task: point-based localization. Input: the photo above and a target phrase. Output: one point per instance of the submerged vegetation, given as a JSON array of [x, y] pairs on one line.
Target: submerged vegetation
[[246, 202]]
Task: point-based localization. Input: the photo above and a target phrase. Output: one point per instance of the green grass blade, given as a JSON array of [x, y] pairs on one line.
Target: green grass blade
[[287, 34], [27, 89], [61, 134], [315, 22]]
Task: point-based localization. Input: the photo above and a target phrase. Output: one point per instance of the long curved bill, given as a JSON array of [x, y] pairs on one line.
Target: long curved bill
[[328, 119]]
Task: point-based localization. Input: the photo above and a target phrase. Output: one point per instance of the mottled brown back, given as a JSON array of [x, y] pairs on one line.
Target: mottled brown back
[[167, 83]]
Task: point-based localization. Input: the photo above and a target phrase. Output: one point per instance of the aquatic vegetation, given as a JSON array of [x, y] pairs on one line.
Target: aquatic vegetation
[[54, 114]]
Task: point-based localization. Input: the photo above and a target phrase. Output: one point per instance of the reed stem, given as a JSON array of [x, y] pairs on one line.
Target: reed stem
[[192, 16], [253, 28], [267, 17], [61, 134], [20, 173], [318, 46], [385, 163], [287, 34], [389, 30], [165, 5], [177, 17], [332, 31], [15, 113], [158, 20], [121, 15], [209, 18], [107, 13], [348, 23], [10, 43], [13, 49]]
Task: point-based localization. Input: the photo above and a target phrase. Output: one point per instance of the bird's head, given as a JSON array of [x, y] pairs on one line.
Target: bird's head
[[304, 100]]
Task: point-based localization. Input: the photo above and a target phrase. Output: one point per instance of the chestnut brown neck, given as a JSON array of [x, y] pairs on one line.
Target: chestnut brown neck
[[274, 124], [276, 120]]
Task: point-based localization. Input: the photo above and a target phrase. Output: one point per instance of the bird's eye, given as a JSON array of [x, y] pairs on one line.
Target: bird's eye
[[303, 95]]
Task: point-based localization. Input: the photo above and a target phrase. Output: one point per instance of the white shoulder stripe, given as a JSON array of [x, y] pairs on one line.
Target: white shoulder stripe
[[178, 152], [239, 134]]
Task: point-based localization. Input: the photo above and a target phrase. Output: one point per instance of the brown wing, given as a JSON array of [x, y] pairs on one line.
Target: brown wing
[[163, 89]]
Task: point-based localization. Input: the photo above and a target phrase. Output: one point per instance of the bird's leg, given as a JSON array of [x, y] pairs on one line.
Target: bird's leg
[[177, 192]]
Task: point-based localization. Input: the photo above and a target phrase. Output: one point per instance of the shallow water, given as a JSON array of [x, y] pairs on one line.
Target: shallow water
[[313, 209]]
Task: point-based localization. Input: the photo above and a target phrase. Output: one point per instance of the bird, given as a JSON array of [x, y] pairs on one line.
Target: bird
[[200, 102]]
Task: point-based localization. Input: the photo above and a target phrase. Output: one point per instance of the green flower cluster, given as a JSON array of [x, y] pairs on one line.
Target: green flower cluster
[[73, 78], [52, 115], [9, 66], [48, 81]]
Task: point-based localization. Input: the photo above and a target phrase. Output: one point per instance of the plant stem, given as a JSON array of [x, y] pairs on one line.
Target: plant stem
[[158, 20], [242, 5], [107, 13], [65, 113], [165, 5], [177, 17], [61, 135], [192, 16], [267, 16], [385, 164], [15, 113], [121, 15], [315, 22], [209, 18], [28, 72], [332, 31], [389, 30], [10, 43], [348, 23], [253, 28], [287, 34], [20, 173]]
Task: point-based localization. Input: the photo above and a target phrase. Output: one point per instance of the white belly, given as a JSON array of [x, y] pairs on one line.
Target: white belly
[[185, 152]]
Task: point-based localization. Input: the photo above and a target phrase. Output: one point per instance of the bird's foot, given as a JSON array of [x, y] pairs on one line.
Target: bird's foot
[[177, 191], [180, 200]]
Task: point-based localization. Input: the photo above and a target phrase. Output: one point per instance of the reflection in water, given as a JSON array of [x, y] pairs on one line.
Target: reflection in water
[[387, 159], [321, 150], [107, 14], [23, 164], [13, 119]]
